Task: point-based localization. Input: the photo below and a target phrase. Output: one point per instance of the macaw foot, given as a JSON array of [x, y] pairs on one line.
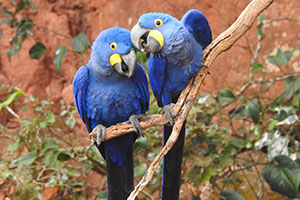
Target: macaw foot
[[168, 109], [101, 133], [134, 120]]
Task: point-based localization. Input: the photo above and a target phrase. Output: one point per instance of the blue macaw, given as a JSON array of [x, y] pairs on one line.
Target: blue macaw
[[113, 88], [175, 50]]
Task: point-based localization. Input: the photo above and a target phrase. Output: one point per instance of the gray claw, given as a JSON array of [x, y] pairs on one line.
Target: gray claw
[[168, 109], [134, 120], [101, 133]]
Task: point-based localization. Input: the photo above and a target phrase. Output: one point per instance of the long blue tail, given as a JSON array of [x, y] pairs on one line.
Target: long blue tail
[[172, 165], [120, 180]]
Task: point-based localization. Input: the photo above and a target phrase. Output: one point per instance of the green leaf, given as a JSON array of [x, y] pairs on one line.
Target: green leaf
[[59, 55], [226, 153], [230, 195], [28, 158], [289, 87], [296, 100], [12, 147], [1, 33], [239, 143], [256, 129], [62, 156], [141, 142], [49, 144], [238, 112], [141, 57], [10, 99], [51, 118], [283, 176], [43, 124], [254, 110], [86, 167], [256, 66], [140, 169], [205, 177], [71, 171], [272, 125], [80, 43], [297, 84], [102, 195], [37, 50], [281, 57], [77, 185], [15, 49], [225, 96]]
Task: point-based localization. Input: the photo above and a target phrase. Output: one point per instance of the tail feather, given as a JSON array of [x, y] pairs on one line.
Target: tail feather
[[120, 180], [172, 165]]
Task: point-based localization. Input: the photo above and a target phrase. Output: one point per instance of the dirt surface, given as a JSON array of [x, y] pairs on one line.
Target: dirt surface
[[58, 21]]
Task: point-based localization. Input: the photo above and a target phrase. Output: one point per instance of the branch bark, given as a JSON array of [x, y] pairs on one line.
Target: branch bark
[[222, 43]]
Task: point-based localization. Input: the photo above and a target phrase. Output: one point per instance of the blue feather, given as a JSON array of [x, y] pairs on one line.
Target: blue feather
[[157, 75], [197, 24]]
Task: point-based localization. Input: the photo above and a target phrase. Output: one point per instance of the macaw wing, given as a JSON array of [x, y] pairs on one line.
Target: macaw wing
[[80, 83], [142, 85], [197, 24], [156, 72]]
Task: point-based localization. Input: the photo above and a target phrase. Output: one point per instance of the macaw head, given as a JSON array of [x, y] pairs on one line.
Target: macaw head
[[113, 51], [153, 31]]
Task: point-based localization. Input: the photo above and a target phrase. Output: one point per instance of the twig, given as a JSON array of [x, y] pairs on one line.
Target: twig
[[222, 43], [53, 31], [13, 113]]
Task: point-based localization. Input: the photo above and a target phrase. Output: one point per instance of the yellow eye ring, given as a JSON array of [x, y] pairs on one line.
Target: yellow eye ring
[[113, 45], [158, 22]]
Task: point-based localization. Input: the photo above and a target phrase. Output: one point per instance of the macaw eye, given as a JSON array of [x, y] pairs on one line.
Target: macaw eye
[[113, 45], [158, 22]]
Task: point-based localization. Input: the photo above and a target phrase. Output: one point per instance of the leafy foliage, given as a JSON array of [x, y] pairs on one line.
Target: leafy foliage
[[283, 175], [37, 51], [80, 43], [59, 55], [23, 27], [41, 155]]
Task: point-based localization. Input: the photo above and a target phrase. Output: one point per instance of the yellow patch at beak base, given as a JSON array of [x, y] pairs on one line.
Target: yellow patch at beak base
[[158, 36], [115, 58]]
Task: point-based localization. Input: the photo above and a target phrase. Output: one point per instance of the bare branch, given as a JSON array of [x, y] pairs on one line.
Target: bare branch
[[222, 43]]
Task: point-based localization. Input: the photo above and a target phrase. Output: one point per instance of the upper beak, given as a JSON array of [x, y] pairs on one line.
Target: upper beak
[[124, 64], [146, 40]]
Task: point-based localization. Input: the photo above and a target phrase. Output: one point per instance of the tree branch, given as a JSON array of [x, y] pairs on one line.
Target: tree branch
[[222, 43]]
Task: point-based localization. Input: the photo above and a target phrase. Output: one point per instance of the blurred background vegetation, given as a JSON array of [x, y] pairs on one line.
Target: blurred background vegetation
[[243, 132]]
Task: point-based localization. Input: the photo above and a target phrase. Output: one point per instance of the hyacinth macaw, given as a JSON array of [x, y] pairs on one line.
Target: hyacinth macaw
[[175, 50], [113, 88]]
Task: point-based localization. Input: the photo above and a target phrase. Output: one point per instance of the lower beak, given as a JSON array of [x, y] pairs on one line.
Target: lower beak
[[124, 64]]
